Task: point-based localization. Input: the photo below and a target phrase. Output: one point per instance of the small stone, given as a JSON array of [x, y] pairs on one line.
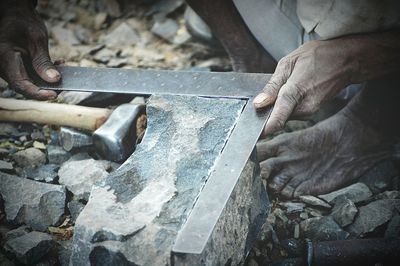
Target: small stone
[[57, 155], [7, 130], [46, 173], [304, 215], [323, 229], [99, 20], [121, 36], [3, 153], [30, 248], [83, 35], [166, 29], [36, 204], [314, 201], [6, 165], [373, 215], [75, 207], [64, 36], [80, 176], [293, 207], [104, 56], [393, 229], [8, 93], [344, 212], [20, 231], [64, 252], [37, 135], [73, 97], [356, 193], [395, 194], [39, 145], [30, 157]]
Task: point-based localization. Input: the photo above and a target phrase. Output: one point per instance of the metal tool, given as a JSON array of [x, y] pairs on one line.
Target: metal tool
[[114, 136], [374, 251], [199, 225]]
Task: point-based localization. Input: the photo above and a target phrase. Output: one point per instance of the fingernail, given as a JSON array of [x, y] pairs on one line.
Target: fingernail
[[52, 73], [260, 99]]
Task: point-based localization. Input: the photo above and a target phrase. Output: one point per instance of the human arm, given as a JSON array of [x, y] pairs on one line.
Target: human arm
[[318, 70]]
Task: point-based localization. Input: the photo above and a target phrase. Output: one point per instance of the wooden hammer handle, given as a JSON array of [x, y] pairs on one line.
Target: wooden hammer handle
[[26, 111]]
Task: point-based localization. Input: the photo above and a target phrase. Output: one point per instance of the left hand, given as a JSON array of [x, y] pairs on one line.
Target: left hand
[[24, 46], [307, 77]]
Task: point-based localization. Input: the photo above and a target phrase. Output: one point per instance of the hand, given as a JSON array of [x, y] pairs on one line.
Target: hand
[[307, 77], [23, 48]]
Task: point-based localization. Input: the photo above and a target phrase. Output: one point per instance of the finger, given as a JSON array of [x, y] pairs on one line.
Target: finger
[[270, 166], [271, 90], [44, 67], [18, 78], [289, 189], [41, 61], [27, 88], [266, 150], [278, 182], [284, 106]]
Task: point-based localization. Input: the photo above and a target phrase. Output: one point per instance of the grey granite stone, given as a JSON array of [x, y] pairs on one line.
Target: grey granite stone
[[20, 231], [344, 212], [373, 215], [322, 229], [57, 155], [30, 247], [75, 207], [80, 176], [314, 201], [30, 157], [5, 165], [46, 173], [36, 204], [293, 207], [134, 215], [357, 192]]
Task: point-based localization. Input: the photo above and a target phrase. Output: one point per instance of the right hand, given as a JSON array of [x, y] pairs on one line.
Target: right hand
[[24, 46]]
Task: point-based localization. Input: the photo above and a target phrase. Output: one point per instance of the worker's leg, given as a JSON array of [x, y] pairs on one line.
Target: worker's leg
[[336, 151], [246, 53]]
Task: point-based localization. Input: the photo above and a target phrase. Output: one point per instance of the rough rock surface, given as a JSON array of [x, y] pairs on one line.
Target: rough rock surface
[[30, 247], [314, 201], [344, 212], [134, 215], [373, 215], [80, 176], [323, 229], [57, 155], [18, 232], [357, 192], [36, 204], [46, 173], [30, 157]]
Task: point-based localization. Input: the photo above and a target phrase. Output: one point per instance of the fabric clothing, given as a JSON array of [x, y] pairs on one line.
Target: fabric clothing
[[281, 26]]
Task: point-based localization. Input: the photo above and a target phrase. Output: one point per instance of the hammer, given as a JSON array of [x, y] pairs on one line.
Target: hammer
[[114, 131]]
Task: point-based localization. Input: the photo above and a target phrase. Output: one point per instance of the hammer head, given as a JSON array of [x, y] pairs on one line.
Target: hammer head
[[116, 139]]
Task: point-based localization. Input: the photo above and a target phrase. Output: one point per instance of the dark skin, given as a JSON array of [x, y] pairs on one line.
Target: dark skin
[[24, 47]]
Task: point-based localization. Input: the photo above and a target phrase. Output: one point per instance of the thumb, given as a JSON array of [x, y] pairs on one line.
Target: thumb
[[42, 64], [270, 92]]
